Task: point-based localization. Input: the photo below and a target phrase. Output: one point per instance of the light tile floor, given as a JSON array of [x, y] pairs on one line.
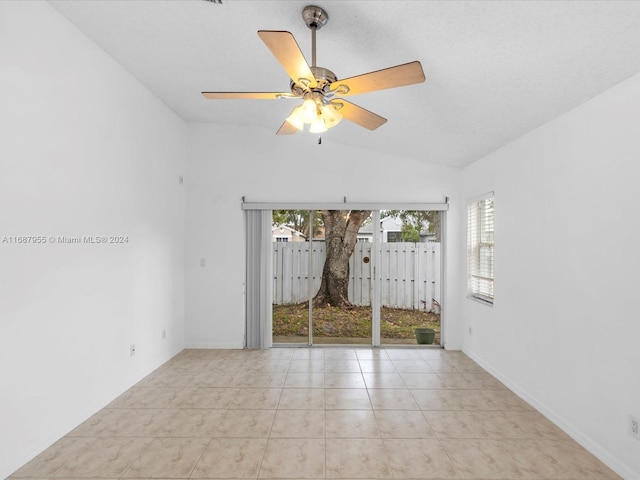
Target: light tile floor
[[317, 413]]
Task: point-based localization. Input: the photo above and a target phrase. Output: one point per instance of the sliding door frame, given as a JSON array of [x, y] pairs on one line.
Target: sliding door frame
[[375, 207], [375, 272]]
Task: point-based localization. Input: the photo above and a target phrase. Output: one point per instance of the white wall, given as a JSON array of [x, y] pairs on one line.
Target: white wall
[[564, 330], [226, 163], [84, 150]]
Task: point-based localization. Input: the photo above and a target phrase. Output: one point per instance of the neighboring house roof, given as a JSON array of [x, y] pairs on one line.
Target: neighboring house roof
[[275, 229], [389, 224]]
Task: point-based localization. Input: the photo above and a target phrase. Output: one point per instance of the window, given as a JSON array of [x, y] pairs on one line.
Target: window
[[394, 236], [282, 239], [480, 249]]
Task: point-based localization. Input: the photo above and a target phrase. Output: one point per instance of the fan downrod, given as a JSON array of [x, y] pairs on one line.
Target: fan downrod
[[315, 18]]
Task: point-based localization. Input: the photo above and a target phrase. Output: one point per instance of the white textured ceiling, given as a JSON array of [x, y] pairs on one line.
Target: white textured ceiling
[[495, 69]]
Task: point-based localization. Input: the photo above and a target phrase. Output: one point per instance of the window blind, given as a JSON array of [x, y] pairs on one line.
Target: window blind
[[480, 232], [258, 279]]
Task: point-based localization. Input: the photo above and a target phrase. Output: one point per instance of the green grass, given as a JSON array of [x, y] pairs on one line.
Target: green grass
[[293, 320]]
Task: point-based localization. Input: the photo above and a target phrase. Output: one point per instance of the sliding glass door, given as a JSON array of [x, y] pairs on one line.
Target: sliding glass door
[[354, 277], [410, 277], [322, 277], [342, 303], [294, 259]]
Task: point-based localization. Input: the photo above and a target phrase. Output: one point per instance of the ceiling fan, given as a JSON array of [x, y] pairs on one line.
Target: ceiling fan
[[320, 87]]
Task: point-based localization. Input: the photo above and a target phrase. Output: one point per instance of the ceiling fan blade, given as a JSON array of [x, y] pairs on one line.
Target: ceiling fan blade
[[286, 129], [286, 50], [359, 115], [398, 76], [247, 95]]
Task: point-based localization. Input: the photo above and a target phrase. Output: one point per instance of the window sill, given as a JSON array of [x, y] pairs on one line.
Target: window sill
[[481, 300]]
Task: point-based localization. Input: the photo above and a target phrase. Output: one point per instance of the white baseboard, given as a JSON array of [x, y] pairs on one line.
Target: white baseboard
[[604, 455], [215, 346]]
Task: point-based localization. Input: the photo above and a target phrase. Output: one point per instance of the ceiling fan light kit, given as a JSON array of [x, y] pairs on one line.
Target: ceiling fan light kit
[[318, 86]]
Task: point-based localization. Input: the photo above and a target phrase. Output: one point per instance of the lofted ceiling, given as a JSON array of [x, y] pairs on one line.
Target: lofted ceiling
[[495, 69]]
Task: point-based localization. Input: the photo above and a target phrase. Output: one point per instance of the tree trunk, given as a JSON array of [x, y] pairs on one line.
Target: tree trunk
[[341, 235]]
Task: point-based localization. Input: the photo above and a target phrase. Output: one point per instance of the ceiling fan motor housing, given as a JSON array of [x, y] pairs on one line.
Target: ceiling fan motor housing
[[324, 78]]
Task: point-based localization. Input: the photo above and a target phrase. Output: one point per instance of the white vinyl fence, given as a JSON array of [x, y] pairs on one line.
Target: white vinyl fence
[[409, 273]]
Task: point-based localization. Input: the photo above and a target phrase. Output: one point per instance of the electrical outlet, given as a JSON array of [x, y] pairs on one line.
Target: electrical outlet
[[132, 349], [634, 427]]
